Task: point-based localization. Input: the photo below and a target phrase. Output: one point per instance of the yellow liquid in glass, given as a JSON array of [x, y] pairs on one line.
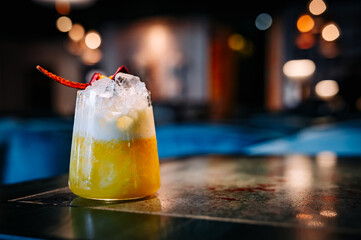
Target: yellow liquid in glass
[[114, 170]]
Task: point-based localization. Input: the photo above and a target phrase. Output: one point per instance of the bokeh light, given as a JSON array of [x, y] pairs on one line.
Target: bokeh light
[[305, 23], [305, 40], [63, 24], [328, 213], [263, 21], [93, 40], [157, 38], [317, 7], [62, 6], [330, 32], [304, 216], [326, 89], [299, 69], [236, 42], [77, 32], [326, 159], [315, 223], [91, 56], [298, 172]]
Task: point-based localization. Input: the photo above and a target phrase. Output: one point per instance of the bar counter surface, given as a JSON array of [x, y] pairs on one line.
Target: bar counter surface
[[203, 197]]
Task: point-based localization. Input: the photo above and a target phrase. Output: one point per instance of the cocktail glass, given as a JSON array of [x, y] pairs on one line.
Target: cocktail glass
[[114, 149]]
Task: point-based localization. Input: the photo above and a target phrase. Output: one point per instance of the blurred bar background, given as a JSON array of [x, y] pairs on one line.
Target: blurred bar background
[[225, 77]]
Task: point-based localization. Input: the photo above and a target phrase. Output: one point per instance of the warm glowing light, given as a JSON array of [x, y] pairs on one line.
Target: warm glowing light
[[326, 159], [157, 39], [236, 42], [315, 223], [263, 21], [305, 23], [298, 172], [157, 43], [77, 32], [328, 213], [62, 6], [304, 216], [158, 49], [91, 56], [299, 69], [330, 32], [93, 40], [317, 7], [305, 40], [63, 24], [326, 89]]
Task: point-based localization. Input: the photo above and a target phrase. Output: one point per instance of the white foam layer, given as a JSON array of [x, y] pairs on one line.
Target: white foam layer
[[114, 109]]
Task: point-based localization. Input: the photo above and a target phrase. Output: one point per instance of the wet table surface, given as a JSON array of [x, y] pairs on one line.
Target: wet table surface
[[208, 197]]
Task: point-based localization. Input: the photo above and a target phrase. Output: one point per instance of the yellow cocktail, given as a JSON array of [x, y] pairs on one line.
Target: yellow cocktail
[[114, 150]]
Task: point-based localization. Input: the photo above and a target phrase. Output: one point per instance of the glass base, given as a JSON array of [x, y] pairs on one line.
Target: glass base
[[115, 199], [81, 194]]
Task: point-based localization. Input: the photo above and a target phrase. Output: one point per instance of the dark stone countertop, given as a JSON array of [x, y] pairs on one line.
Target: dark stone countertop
[[210, 197]]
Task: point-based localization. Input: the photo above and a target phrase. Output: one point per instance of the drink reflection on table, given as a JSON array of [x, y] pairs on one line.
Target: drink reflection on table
[[92, 219], [307, 181]]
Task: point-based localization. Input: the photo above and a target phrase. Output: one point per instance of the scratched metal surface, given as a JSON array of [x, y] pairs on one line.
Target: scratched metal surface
[[292, 191]]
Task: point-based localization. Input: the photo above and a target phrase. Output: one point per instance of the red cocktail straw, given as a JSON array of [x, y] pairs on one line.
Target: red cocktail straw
[[122, 69], [77, 85], [62, 80]]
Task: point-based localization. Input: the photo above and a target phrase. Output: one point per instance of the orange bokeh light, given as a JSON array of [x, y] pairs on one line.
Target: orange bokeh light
[[305, 40], [62, 7], [76, 33], [305, 23], [91, 56], [63, 24]]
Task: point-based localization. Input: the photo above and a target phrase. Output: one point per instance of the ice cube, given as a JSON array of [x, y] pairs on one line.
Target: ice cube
[[126, 80], [121, 95]]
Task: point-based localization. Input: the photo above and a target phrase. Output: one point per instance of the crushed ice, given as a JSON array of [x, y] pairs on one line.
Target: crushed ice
[[121, 95]]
